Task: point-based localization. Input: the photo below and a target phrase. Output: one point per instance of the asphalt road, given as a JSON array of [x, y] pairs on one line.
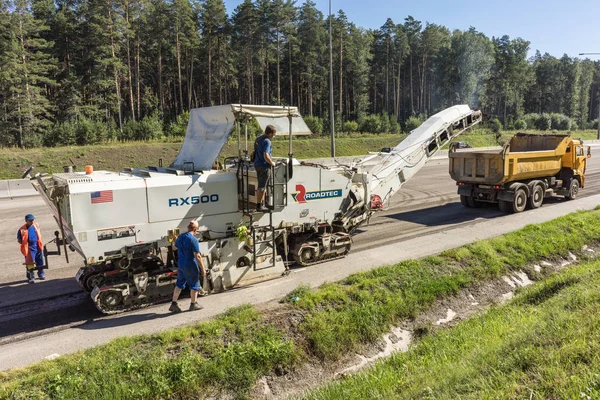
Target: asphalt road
[[425, 217]]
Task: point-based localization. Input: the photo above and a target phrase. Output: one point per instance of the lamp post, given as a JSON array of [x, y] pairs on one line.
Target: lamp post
[[597, 97], [331, 106]]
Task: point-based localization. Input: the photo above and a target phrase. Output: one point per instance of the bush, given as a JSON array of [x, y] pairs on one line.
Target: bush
[[384, 123], [150, 127], [85, 132], [543, 122], [315, 124], [520, 125], [178, 127], [394, 125], [495, 125], [61, 134], [595, 124], [370, 124], [530, 120], [350, 126], [413, 123]]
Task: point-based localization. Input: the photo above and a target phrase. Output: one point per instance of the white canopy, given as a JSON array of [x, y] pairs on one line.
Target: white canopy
[[209, 128]]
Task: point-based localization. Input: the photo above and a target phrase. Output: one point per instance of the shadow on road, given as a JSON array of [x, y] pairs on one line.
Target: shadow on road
[[122, 320], [20, 292], [450, 213]]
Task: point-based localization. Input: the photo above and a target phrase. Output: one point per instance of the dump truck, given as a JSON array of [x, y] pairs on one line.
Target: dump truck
[[520, 174]]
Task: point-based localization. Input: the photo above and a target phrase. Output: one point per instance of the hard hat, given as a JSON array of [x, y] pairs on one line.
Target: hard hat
[[29, 217]]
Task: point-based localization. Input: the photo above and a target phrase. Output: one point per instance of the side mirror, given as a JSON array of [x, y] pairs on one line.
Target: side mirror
[[589, 152]]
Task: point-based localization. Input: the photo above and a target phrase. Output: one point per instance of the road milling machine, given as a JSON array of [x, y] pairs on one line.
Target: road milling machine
[[123, 223]]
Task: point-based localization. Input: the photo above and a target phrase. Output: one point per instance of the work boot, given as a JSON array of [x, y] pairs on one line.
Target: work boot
[[195, 306], [174, 307]]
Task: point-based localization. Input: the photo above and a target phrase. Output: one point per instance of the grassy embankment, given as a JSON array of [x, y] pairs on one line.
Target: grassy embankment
[[545, 344], [116, 156], [483, 137], [231, 352]]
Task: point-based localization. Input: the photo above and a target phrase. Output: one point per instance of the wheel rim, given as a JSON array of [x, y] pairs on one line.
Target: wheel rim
[[574, 188], [520, 200], [110, 299], [306, 255]]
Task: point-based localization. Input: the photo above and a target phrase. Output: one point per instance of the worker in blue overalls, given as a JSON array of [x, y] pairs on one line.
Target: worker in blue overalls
[[30, 238]]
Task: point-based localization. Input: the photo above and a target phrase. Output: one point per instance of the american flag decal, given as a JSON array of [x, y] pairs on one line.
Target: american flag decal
[[103, 196]]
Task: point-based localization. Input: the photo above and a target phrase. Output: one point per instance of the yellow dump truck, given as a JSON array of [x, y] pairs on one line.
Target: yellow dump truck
[[522, 173]]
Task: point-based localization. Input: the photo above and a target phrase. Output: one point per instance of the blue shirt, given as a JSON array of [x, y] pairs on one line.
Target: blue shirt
[[32, 237], [187, 245], [262, 146]]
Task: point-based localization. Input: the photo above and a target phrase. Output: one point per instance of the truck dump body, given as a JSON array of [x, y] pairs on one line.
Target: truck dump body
[[524, 157]]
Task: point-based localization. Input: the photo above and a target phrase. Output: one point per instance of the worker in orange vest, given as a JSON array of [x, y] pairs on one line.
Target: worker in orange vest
[[30, 238]]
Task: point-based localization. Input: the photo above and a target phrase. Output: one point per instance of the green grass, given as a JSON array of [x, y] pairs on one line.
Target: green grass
[[222, 356], [116, 156], [543, 345], [227, 355], [343, 316]]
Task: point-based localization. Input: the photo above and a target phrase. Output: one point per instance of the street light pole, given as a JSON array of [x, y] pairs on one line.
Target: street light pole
[[331, 105], [598, 95]]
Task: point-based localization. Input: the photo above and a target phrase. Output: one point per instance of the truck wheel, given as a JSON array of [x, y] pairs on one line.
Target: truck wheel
[[537, 197], [464, 200], [473, 203], [520, 201], [573, 190], [505, 206]]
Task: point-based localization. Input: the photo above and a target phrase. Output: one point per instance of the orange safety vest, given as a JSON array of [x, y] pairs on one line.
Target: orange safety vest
[[24, 238]]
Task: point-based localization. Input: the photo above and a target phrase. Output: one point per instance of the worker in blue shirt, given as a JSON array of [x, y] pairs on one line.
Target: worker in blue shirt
[[29, 237], [189, 267], [263, 162]]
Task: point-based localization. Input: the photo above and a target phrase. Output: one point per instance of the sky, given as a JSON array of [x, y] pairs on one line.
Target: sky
[[552, 26]]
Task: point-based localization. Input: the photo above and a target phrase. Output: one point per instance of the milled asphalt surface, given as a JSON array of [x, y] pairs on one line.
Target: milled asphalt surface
[[424, 218]]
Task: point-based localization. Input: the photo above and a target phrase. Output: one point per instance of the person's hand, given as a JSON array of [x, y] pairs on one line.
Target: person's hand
[[203, 272]]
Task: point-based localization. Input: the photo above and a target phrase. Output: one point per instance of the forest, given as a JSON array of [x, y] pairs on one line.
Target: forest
[[93, 71]]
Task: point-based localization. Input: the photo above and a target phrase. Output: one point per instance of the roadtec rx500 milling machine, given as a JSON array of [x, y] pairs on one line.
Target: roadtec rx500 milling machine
[[123, 223]]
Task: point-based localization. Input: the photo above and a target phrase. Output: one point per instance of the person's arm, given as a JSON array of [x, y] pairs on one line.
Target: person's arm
[[19, 237], [200, 263], [198, 256], [267, 151], [176, 237], [269, 159]]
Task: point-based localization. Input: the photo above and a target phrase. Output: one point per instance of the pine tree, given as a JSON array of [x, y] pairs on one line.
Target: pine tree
[[28, 111]]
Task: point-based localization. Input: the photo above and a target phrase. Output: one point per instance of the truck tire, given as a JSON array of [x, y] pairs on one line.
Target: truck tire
[[505, 206], [537, 197], [573, 190], [520, 202], [464, 200]]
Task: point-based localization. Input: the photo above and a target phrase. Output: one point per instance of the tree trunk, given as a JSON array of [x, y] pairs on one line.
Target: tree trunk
[[209, 42], [117, 85], [387, 75], [160, 85], [412, 103], [278, 76], [178, 48], [291, 75], [129, 72], [137, 78], [341, 70]]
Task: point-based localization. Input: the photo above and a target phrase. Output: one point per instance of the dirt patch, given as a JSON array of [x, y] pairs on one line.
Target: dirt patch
[[448, 312]]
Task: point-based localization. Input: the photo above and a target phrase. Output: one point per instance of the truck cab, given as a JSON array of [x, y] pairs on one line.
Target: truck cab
[[575, 161]]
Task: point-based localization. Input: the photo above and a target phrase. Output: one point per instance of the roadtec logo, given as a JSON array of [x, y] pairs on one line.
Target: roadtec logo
[[302, 196]]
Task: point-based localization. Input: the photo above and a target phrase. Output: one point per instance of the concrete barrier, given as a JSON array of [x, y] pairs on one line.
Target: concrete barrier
[[17, 188], [4, 192]]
